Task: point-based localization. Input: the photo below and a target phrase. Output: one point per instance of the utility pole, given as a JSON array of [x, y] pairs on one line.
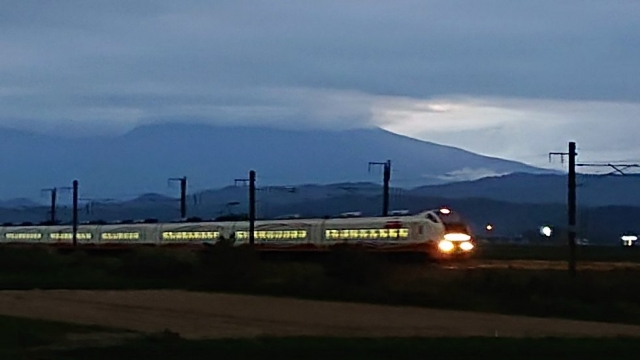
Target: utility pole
[[183, 195], [571, 204], [571, 195], [252, 203], [252, 206], [571, 199], [52, 211], [385, 190], [75, 212]]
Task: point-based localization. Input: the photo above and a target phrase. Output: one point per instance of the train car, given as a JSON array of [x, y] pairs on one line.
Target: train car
[[440, 233]]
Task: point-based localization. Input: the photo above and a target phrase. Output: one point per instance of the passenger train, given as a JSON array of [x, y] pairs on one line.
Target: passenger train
[[439, 232]]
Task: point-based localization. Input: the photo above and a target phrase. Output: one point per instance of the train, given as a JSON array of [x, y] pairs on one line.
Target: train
[[440, 233]]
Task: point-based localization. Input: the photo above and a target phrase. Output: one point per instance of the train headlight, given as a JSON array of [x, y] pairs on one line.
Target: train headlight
[[466, 246], [457, 237], [445, 246]]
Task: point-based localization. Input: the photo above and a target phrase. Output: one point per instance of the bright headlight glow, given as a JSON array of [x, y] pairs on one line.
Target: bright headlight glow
[[445, 245], [466, 246], [457, 237]]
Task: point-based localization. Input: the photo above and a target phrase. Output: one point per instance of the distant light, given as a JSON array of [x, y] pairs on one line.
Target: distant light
[[629, 238], [489, 227], [445, 211], [546, 231]]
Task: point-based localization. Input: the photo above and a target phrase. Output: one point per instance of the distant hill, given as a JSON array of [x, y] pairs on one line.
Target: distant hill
[[142, 160], [18, 203], [592, 190]]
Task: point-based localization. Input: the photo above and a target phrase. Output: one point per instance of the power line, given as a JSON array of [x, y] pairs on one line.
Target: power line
[[617, 168]]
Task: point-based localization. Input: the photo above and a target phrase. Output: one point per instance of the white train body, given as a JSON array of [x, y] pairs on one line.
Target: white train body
[[436, 230]]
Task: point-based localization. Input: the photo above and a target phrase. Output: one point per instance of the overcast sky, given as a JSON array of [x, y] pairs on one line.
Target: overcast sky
[[513, 79]]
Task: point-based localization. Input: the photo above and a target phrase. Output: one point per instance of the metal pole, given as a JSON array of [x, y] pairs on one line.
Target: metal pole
[[183, 197], [387, 177], [571, 198], [53, 205], [252, 205], [75, 212]]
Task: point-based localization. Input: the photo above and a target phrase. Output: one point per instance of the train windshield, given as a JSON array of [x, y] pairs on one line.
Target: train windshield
[[457, 227]]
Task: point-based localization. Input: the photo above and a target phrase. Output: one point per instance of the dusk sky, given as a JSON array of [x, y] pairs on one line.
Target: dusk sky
[[513, 79]]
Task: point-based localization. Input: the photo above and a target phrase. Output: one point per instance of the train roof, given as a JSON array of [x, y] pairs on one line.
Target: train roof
[[342, 220]]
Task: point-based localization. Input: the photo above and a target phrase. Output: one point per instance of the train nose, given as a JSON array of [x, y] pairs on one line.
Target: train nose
[[448, 246]]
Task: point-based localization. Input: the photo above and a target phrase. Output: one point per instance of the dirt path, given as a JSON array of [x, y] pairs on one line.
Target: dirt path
[[203, 315]]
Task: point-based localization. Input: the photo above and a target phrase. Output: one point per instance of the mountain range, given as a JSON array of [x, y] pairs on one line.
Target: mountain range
[[125, 177], [142, 160]]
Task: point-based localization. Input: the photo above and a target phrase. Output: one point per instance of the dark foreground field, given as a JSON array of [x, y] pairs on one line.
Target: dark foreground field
[[35, 339], [559, 253], [597, 295]]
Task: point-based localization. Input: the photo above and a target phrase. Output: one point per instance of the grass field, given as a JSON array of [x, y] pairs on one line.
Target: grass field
[[550, 252], [20, 338], [352, 349], [32, 339], [348, 276]]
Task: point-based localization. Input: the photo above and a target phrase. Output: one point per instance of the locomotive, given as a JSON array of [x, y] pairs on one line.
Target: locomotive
[[439, 233]]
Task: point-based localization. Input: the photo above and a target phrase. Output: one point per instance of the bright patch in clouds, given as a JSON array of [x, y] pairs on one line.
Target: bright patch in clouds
[[522, 129]]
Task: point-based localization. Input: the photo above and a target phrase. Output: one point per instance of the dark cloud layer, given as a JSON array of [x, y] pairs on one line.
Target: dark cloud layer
[[118, 63]]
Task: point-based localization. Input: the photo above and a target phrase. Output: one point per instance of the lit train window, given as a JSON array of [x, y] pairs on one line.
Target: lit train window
[[366, 233], [273, 235], [121, 236], [69, 236], [190, 235], [23, 236]]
